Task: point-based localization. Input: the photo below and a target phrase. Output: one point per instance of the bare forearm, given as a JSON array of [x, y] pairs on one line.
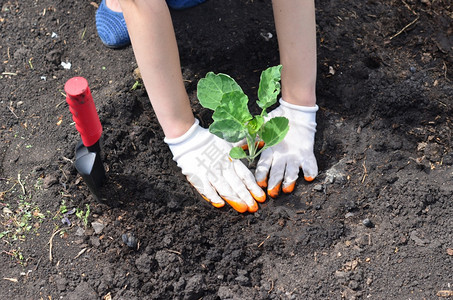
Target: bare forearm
[[154, 43], [296, 33]]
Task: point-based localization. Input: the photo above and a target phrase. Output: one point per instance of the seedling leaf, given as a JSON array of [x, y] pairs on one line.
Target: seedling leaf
[[232, 119], [274, 131], [229, 130], [269, 87], [233, 106], [255, 125], [237, 153], [210, 90]]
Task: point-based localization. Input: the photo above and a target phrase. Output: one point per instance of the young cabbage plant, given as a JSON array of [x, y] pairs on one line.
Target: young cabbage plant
[[233, 121]]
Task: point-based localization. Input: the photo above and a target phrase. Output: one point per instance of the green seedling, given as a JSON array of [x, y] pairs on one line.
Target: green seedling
[[63, 207], [83, 215], [233, 121], [17, 222], [136, 85], [16, 254]]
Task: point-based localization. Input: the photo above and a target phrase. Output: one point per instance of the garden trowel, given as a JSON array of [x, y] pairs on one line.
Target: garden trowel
[[87, 152]]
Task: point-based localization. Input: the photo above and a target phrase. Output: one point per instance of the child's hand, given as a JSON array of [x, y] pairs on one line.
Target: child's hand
[[204, 159], [294, 152]]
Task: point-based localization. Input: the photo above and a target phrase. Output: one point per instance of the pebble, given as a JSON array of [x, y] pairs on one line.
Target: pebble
[[129, 239], [349, 215], [367, 223], [318, 187], [95, 242], [98, 227], [80, 231]]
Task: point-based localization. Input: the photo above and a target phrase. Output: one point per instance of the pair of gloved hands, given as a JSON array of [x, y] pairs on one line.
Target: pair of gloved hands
[[203, 158]]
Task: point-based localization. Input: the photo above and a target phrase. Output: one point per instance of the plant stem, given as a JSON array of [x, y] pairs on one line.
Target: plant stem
[[252, 148], [259, 152]]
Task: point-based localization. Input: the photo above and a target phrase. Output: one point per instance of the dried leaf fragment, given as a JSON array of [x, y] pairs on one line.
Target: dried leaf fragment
[[444, 293], [351, 265], [107, 297]]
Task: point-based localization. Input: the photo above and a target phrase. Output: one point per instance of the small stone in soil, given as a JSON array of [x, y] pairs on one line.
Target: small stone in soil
[[349, 215], [367, 223], [97, 226], [129, 239], [95, 241], [80, 231], [318, 187]]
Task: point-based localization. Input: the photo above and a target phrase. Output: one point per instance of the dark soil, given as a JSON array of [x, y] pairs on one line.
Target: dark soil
[[384, 148]]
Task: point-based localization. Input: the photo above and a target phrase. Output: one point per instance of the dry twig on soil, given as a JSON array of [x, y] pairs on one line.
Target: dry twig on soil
[[11, 110], [50, 242], [261, 244], [80, 253], [21, 185], [272, 287], [365, 172], [174, 251], [408, 25], [404, 28]]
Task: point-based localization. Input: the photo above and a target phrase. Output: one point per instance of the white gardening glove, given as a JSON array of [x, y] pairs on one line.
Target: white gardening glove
[[294, 152], [204, 159]]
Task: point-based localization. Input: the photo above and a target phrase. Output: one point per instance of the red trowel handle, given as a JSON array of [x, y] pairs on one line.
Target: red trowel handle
[[84, 114]]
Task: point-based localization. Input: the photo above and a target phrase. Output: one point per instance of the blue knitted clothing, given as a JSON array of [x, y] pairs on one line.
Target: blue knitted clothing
[[111, 25], [182, 4]]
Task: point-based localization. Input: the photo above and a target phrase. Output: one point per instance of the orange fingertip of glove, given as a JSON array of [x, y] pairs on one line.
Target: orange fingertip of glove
[[274, 192], [253, 208], [289, 188], [259, 199], [216, 205], [262, 183], [309, 178], [238, 206]]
